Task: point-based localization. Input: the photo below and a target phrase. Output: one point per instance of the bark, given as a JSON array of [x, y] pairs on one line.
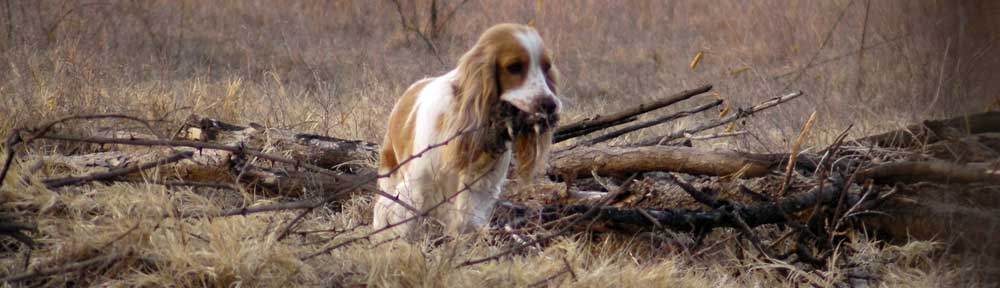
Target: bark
[[631, 220], [931, 171], [619, 161], [936, 130]]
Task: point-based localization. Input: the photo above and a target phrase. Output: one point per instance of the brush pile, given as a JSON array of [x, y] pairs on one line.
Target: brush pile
[[937, 180]]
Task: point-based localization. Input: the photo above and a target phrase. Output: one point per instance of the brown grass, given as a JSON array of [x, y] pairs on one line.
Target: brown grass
[[335, 68]]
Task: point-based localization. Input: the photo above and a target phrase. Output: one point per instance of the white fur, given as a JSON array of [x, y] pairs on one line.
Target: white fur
[[424, 184], [534, 86]]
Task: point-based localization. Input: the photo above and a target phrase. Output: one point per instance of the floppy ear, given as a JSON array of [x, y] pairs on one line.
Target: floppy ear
[[476, 112], [531, 151]]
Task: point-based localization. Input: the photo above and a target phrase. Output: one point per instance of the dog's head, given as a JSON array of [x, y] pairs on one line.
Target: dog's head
[[508, 79]]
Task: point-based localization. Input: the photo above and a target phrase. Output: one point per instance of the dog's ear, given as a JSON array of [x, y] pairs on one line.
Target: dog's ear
[[531, 151], [477, 96]]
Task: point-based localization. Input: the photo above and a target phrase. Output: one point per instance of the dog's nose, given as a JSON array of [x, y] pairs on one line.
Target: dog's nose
[[546, 105]]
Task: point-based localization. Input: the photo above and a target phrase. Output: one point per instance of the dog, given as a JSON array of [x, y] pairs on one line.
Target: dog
[[452, 138]]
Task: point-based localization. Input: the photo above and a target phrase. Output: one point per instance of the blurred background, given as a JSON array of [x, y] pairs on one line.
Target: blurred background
[[335, 67]]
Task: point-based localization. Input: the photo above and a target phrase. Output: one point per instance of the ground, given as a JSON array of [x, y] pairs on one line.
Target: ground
[[335, 68]]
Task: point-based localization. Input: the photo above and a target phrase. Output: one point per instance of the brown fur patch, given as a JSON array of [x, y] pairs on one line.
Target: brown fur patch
[[398, 143]]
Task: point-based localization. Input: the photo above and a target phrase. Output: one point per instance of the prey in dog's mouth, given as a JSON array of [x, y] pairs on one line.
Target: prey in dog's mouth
[[519, 121]]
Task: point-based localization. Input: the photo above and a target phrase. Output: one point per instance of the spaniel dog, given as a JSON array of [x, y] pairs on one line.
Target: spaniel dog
[[452, 138]]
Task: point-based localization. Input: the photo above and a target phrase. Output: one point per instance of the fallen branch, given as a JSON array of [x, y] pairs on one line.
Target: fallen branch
[[99, 260], [690, 136], [193, 144], [931, 131], [323, 151], [14, 230], [742, 113], [650, 123], [56, 183], [627, 160], [933, 171], [587, 126], [632, 220]]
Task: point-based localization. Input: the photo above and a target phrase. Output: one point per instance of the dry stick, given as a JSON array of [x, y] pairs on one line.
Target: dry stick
[[99, 260], [12, 141], [713, 203], [185, 183], [659, 140], [15, 138], [588, 126], [795, 154], [822, 170], [699, 196], [308, 204], [650, 123], [745, 229], [418, 215], [691, 221], [237, 149], [45, 128], [715, 135], [193, 144], [288, 228], [56, 183], [591, 212], [13, 230], [929, 171]]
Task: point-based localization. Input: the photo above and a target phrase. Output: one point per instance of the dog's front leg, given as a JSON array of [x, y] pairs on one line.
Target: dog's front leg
[[478, 193]]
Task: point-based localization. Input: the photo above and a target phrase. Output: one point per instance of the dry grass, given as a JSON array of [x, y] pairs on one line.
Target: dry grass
[[335, 68]]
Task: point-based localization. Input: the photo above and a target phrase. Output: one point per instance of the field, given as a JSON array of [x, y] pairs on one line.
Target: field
[[335, 68]]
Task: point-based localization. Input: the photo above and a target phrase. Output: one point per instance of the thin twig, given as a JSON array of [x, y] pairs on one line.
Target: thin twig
[[197, 145], [690, 136], [15, 138], [742, 113], [416, 216], [589, 214], [99, 260], [56, 183], [587, 126], [291, 224], [650, 123], [796, 147]]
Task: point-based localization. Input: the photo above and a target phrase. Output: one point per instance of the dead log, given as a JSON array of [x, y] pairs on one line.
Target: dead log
[[114, 173], [930, 171], [963, 215], [618, 161], [931, 131], [638, 219], [206, 164], [596, 123], [329, 152]]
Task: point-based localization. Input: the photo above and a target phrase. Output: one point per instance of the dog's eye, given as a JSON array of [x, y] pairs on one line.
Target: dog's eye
[[515, 68]]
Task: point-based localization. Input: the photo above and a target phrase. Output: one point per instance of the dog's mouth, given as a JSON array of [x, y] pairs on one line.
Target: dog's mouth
[[521, 121]]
